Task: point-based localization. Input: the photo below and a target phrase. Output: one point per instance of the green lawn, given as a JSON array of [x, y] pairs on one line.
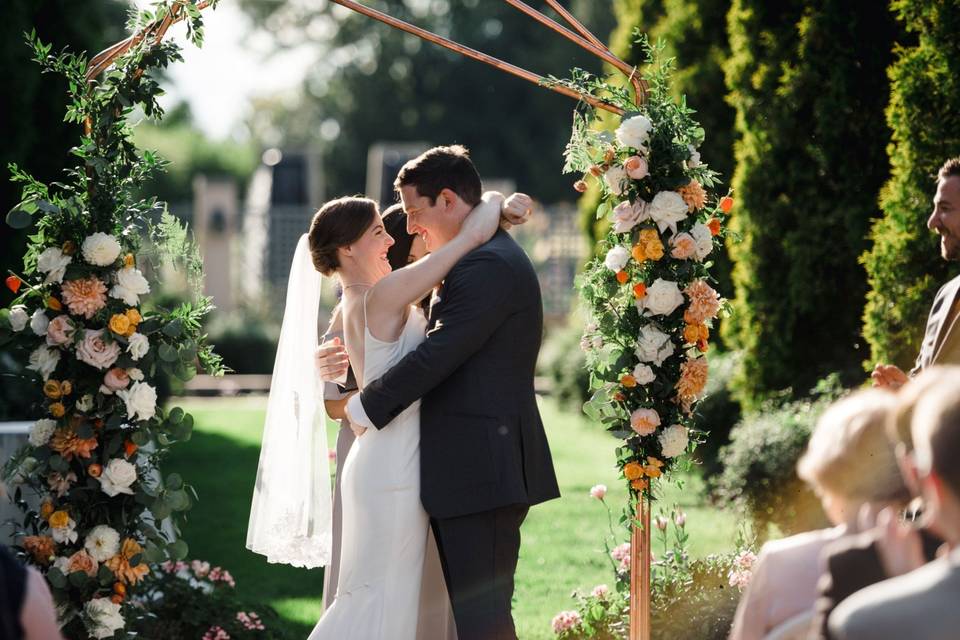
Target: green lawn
[[562, 540]]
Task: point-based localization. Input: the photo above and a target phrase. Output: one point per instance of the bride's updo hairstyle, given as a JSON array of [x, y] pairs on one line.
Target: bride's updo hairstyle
[[338, 223]]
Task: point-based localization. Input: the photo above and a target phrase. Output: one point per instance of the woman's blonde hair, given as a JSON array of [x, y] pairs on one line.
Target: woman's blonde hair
[[849, 454]]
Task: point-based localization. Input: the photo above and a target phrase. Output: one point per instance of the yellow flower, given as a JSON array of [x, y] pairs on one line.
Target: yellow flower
[[120, 324], [134, 316], [650, 243], [51, 389], [120, 563], [46, 509], [637, 253], [59, 519], [57, 409]]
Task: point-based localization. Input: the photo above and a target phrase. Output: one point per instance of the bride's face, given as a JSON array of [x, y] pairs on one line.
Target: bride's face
[[368, 255]]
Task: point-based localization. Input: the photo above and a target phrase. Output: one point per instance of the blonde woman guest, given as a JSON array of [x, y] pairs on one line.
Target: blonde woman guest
[[850, 464]]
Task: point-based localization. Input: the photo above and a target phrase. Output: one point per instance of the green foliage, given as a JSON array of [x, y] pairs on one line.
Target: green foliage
[[904, 266], [808, 83], [759, 465]]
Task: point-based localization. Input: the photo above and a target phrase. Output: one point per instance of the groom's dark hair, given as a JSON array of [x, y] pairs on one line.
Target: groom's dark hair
[[442, 168]]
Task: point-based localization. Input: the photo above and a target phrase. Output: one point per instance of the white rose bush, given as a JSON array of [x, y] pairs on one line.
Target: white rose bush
[[648, 292], [95, 355]]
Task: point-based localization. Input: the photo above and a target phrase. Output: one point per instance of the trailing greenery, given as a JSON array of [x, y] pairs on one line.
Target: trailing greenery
[[808, 83], [904, 266]]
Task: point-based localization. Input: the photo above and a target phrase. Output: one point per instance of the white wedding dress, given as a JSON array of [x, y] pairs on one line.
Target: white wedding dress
[[384, 524]]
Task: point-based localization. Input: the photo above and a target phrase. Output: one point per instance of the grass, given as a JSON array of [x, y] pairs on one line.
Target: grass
[[562, 547]]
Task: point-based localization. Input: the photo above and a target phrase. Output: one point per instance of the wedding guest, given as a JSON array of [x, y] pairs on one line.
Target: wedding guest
[[920, 604], [900, 542], [849, 463], [26, 606], [941, 342]]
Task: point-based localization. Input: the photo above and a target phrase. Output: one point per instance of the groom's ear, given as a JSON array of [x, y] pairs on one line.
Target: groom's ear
[[448, 199]]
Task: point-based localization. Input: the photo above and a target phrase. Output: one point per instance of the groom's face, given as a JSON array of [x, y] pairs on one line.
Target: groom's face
[[430, 219]]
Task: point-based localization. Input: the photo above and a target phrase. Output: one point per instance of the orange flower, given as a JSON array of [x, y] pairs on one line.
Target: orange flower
[[619, 397], [693, 379], [51, 389], [120, 324], [13, 283], [714, 225], [54, 304], [66, 387], [57, 409], [67, 444], [639, 290], [703, 345], [609, 155], [649, 239], [128, 260], [59, 519], [129, 448], [119, 588], [694, 195], [596, 171], [726, 204], [637, 253], [622, 277], [46, 509], [704, 302], [639, 484], [628, 381], [580, 186], [134, 316], [69, 248], [116, 598], [85, 296], [95, 470], [41, 548], [633, 470], [651, 471], [694, 333], [120, 563]]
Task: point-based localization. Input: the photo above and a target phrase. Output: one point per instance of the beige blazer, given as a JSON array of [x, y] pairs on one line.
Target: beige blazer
[[938, 325]]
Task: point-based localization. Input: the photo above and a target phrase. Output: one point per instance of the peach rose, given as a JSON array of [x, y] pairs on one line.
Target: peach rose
[[683, 245], [60, 330], [96, 352], [693, 379], [632, 470], [694, 195], [704, 302], [644, 421], [636, 167], [82, 561], [116, 379]]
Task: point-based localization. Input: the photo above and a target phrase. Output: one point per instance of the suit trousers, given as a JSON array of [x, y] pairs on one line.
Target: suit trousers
[[479, 552]]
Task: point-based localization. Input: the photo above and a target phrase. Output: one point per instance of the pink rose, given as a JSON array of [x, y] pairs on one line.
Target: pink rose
[[96, 352], [598, 491], [644, 421], [60, 330], [622, 555], [564, 621], [684, 246], [636, 167], [600, 591], [116, 379]]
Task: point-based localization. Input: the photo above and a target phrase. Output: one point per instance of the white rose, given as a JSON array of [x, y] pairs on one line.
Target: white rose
[[626, 216], [54, 263], [617, 258], [673, 441], [141, 400], [117, 477], [643, 374], [138, 345], [694, 160], [63, 564], [18, 317], [85, 403], [135, 374], [653, 345], [41, 431], [102, 543], [667, 209], [704, 239], [44, 360], [130, 285], [617, 180], [662, 299], [39, 322], [103, 618], [635, 132], [100, 249], [64, 535]]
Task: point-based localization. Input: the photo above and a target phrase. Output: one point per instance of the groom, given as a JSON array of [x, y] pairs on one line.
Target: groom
[[484, 455]]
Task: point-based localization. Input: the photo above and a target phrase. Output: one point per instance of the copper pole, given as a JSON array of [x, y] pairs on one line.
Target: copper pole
[[639, 86], [640, 571], [474, 54], [577, 25]]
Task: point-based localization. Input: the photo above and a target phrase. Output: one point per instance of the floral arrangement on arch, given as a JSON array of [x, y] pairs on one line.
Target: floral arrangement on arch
[[648, 292], [95, 352]]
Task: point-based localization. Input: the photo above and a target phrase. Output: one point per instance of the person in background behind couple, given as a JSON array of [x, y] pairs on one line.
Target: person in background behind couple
[[474, 454]]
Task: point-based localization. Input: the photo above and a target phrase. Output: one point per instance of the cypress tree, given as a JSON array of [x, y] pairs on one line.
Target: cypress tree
[[904, 264], [808, 83]]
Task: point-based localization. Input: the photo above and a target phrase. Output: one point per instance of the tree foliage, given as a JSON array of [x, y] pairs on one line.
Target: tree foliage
[[904, 266], [808, 83]]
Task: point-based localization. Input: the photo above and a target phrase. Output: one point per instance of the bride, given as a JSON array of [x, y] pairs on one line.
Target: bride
[[384, 525]]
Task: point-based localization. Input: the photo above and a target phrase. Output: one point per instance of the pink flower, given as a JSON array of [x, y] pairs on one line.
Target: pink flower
[[622, 555], [116, 379], [218, 574], [598, 491], [565, 620], [644, 421], [200, 568], [661, 523], [684, 246], [626, 216], [636, 167], [250, 621], [85, 296], [60, 330], [95, 352], [739, 579], [332, 455], [745, 559], [680, 518], [60, 484], [600, 591], [216, 633]]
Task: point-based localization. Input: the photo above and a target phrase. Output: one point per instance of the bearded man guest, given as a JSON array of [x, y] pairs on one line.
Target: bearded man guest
[[941, 342]]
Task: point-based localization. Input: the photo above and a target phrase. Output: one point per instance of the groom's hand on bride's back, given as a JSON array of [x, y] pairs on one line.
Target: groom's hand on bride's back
[[515, 210], [332, 361]]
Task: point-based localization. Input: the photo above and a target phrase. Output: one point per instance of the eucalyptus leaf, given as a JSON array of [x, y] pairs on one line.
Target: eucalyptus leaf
[[56, 578], [173, 328], [178, 550], [174, 482], [18, 218], [168, 353]]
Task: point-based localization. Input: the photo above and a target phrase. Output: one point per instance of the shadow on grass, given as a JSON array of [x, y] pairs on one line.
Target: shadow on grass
[[223, 472]]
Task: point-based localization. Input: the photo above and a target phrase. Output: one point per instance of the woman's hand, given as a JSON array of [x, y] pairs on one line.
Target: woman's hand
[[484, 220], [516, 210]]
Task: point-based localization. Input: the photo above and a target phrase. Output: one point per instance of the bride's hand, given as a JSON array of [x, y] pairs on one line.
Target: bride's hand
[[484, 220], [516, 210]]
